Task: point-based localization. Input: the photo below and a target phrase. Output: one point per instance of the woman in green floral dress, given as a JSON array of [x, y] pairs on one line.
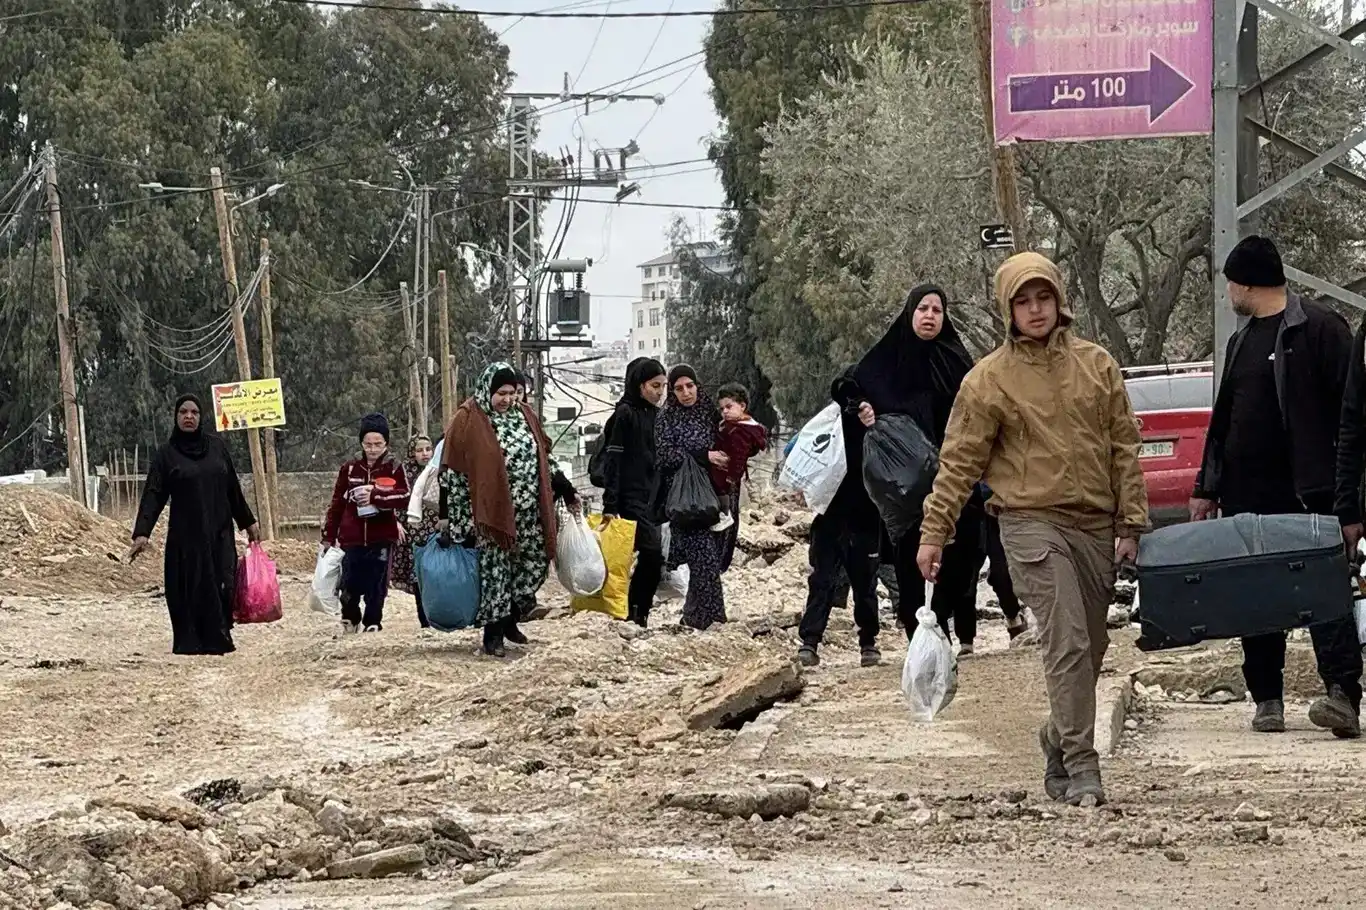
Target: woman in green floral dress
[[497, 494]]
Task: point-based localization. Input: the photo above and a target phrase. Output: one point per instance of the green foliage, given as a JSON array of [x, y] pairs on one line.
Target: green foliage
[[161, 91]]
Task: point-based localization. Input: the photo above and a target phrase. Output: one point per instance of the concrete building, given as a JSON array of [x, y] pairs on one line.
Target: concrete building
[[661, 281]]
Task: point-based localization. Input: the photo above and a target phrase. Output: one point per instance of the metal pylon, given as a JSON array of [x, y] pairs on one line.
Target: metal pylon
[[520, 261], [1238, 134]]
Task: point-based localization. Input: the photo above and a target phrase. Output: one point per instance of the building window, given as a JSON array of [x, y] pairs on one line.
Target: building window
[[654, 342], [564, 415], [675, 271], [641, 345], [640, 319], [654, 316], [647, 271]]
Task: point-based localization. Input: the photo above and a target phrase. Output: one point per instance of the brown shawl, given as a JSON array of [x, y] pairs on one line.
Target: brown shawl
[[472, 449]]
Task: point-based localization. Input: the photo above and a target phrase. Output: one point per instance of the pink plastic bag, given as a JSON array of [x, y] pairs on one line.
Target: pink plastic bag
[[257, 598]]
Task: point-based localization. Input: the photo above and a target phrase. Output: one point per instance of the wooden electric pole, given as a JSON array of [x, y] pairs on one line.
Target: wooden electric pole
[[239, 334], [444, 327], [268, 372], [417, 412], [1004, 177], [71, 415]]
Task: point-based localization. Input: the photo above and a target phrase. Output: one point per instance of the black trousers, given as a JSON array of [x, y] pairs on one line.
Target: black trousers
[[365, 575], [640, 596], [835, 546], [998, 572], [1336, 647], [955, 594]]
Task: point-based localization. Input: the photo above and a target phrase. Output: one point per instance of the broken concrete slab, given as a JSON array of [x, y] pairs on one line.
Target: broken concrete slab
[[408, 858], [745, 692], [165, 809], [773, 801]]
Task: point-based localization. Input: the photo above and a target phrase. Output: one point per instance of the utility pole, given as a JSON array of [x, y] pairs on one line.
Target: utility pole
[[425, 251], [1004, 175], [268, 372], [71, 416], [417, 414], [239, 334], [444, 327], [525, 191]]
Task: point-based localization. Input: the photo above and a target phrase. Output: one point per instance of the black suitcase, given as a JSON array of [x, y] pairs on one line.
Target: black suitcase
[[1240, 576]]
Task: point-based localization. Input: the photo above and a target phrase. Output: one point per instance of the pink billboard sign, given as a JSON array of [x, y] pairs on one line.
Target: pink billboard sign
[[1101, 69]]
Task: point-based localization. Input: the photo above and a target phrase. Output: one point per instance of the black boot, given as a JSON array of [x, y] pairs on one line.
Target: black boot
[[512, 633], [493, 640]]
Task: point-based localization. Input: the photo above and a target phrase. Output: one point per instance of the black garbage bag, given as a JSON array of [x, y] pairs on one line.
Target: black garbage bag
[[692, 504], [899, 466]]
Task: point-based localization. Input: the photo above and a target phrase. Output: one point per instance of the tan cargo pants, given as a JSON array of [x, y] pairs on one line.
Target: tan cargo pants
[[1067, 578]]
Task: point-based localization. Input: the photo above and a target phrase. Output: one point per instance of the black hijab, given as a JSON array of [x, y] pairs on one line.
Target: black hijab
[[679, 372], [905, 374], [638, 372], [191, 445]]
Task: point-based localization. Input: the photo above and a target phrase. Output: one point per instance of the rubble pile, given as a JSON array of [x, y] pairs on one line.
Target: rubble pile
[[168, 853], [51, 544]]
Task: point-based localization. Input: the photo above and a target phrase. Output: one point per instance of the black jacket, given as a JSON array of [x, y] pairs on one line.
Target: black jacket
[[629, 462], [1352, 436], [1312, 351]]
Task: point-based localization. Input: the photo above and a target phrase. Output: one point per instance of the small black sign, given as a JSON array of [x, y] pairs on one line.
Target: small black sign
[[995, 237]]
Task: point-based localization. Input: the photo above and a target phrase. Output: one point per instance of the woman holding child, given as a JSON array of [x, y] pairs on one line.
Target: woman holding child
[[690, 427]]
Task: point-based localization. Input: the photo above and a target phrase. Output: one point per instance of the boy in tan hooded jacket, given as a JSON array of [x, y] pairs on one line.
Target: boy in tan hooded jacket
[[1046, 423]]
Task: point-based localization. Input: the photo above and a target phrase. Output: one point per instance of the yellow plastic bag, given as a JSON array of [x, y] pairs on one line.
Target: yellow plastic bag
[[618, 550]]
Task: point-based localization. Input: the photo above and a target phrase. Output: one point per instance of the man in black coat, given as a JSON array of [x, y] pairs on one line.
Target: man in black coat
[[1272, 450]]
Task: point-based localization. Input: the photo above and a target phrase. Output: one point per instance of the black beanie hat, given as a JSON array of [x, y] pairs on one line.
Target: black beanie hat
[[1256, 263], [374, 423]]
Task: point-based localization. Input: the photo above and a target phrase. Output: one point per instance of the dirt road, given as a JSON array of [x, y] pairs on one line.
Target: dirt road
[[542, 780]]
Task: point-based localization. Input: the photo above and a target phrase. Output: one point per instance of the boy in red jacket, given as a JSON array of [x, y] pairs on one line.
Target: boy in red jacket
[[741, 437], [370, 493]]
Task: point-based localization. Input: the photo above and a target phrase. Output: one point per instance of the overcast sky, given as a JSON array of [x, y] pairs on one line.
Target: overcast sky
[[598, 53]]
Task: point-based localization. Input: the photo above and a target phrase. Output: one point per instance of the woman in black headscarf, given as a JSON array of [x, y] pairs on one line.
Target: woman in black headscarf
[[916, 369], [687, 429], [194, 471], [630, 471]]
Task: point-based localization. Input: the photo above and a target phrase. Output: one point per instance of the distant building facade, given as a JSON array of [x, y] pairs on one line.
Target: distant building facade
[[661, 281]]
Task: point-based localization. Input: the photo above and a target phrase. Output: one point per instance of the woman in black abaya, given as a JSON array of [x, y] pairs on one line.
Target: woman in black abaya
[[916, 369], [194, 471]]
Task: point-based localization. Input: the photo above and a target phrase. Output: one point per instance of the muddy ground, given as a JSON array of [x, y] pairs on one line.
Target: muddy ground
[[543, 780]]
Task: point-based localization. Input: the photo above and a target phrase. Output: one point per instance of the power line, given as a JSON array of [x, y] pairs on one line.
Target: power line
[[648, 14]]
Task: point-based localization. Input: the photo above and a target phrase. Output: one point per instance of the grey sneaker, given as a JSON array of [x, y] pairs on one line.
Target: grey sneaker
[[807, 656], [1336, 713], [965, 650], [1085, 790], [1270, 716], [1055, 779], [870, 657]]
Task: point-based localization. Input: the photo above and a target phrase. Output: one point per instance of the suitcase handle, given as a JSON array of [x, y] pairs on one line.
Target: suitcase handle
[[1297, 567], [1193, 579]]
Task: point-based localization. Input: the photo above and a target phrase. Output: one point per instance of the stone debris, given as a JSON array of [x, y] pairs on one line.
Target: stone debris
[[380, 863], [144, 852], [770, 802], [745, 692]]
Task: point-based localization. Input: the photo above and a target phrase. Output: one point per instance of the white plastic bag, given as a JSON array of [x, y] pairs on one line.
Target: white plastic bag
[[673, 585], [815, 466], [929, 678], [579, 563], [322, 598]]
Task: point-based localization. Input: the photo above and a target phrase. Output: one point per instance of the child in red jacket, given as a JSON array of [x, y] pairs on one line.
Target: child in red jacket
[[741, 437], [370, 494]]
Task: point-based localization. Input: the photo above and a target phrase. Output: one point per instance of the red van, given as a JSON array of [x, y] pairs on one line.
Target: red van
[[1173, 403]]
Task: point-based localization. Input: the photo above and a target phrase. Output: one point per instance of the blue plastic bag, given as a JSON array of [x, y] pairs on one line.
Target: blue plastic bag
[[448, 578]]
